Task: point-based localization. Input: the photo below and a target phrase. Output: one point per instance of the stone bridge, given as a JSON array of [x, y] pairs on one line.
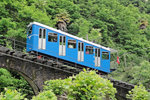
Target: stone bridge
[[35, 71]]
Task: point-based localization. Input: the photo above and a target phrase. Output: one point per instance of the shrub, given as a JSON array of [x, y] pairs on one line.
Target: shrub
[[86, 85], [11, 95], [45, 95], [138, 93], [57, 86]]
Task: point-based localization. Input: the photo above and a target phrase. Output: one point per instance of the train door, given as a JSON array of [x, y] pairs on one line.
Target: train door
[[42, 38], [97, 57], [62, 46], [80, 51]]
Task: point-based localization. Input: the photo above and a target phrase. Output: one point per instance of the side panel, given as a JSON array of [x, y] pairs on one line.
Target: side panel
[[79, 56], [64, 46], [44, 39], [88, 57], [40, 34], [60, 50], [96, 61], [40, 42], [82, 55], [97, 57], [30, 39], [49, 48], [80, 51], [105, 63], [71, 54]]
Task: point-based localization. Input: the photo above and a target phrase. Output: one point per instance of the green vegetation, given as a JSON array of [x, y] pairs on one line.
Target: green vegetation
[[11, 95], [86, 85], [57, 86], [13, 81], [140, 74], [119, 24], [138, 93], [45, 95]]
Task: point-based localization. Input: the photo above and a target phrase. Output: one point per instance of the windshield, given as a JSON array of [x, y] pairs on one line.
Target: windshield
[[29, 30]]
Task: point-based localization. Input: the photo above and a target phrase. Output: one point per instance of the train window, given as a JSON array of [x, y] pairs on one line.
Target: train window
[[71, 43], [89, 50], [105, 55], [30, 30], [97, 52], [52, 37], [79, 47], [82, 47], [40, 33], [44, 33], [60, 40], [64, 40]]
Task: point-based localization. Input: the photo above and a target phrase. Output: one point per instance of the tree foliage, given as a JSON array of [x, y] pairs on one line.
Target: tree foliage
[[86, 85], [13, 81], [140, 74], [138, 93], [11, 95], [45, 95], [57, 86], [120, 24]]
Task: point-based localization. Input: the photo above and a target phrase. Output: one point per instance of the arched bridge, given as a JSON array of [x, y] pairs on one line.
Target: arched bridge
[[36, 71]]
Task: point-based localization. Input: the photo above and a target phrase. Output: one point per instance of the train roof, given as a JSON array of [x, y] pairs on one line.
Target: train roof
[[67, 34]]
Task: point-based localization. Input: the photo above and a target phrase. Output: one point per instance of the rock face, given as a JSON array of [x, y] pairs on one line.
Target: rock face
[[61, 25]]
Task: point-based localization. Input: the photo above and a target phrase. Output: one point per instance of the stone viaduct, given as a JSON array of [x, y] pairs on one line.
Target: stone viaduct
[[36, 71]]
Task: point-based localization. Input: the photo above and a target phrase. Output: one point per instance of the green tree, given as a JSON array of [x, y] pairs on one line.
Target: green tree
[[140, 74], [11, 95], [14, 81], [95, 35], [45, 95], [138, 93], [57, 86], [86, 85]]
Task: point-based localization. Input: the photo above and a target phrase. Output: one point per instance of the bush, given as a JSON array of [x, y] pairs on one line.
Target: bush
[[57, 86], [140, 74], [86, 85], [11, 95], [138, 93], [45, 95]]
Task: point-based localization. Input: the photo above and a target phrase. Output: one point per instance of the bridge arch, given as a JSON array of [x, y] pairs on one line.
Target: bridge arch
[[28, 79], [33, 72]]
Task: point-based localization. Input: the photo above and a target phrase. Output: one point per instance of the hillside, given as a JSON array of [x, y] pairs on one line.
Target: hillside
[[119, 24]]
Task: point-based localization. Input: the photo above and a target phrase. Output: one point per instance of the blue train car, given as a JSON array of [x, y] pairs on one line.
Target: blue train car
[[56, 43]]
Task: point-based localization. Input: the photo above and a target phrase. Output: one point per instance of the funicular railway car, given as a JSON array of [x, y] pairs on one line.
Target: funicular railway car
[[56, 43]]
